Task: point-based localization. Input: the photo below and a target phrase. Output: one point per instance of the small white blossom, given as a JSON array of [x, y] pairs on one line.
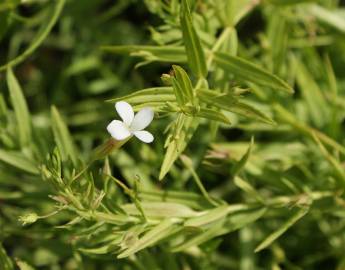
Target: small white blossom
[[130, 124]]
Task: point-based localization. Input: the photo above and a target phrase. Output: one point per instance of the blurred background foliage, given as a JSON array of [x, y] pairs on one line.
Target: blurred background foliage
[[265, 192]]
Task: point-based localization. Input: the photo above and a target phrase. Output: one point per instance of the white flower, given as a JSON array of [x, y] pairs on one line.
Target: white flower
[[130, 124]]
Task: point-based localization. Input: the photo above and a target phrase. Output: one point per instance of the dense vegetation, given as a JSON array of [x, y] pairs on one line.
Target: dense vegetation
[[247, 167]]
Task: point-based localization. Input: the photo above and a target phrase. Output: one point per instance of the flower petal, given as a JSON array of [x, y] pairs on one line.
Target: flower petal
[[118, 130], [142, 119], [125, 111], [144, 136]]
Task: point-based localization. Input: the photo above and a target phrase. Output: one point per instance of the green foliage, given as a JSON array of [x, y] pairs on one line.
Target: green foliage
[[20, 108], [247, 167]]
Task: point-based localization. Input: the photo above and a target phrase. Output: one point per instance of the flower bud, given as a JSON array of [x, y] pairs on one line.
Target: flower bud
[[28, 218]]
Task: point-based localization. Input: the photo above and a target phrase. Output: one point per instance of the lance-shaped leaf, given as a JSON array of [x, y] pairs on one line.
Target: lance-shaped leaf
[[105, 248], [215, 214], [278, 37], [231, 223], [178, 140], [195, 53], [233, 11], [20, 108], [62, 136], [3, 107], [242, 162], [154, 94], [19, 161], [212, 114], [250, 72], [282, 229], [228, 102], [22, 265], [182, 86], [332, 18], [338, 167], [169, 54], [160, 231], [160, 210], [5, 261], [318, 108]]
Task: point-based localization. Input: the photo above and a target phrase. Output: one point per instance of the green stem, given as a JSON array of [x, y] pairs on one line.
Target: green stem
[[101, 152], [217, 45]]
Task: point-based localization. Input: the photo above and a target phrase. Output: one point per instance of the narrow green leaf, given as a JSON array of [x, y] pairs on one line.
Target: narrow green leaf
[[289, 118], [160, 210], [278, 38], [282, 229], [62, 136], [228, 102], [104, 249], [200, 238], [178, 143], [3, 107], [189, 165], [236, 10], [315, 100], [183, 85], [250, 72], [326, 16], [155, 94], [214, 115], [41, 35], [251, 112], [20, 108], [248, 188], [24, 265], [17, 160], [226, 225], [338, 167], [160, 231], [214, 214], [242, 162], [195, 53], [5, 261], [169, 54]]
